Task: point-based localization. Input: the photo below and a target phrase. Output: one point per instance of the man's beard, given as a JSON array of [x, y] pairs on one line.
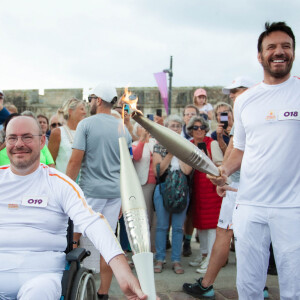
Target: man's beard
[[24, 164], [93, 109], [280, 73]]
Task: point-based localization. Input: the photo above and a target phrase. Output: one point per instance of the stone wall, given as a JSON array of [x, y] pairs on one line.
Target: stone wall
[[149, 98]]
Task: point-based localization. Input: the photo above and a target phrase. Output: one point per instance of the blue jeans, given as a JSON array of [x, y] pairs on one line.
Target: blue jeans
[[123, 236], [162, 226]]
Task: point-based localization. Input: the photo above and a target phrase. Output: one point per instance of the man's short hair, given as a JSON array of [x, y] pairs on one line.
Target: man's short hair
[[191, 106], [275, 26], [28, 113]]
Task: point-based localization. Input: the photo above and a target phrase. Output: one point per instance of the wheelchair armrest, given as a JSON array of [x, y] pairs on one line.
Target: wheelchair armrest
[[77, 254]]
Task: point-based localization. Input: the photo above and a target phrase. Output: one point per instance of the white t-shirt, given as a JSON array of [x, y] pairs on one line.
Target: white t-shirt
[[267, 129], [34, 212], [206, 108]]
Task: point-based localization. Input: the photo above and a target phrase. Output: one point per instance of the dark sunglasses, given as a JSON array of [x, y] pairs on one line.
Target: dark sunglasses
[[90, 98], [54, 125], [202, 127]]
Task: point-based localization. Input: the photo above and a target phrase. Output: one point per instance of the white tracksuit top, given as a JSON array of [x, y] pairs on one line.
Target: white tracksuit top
[[267, 129], [34, 211]]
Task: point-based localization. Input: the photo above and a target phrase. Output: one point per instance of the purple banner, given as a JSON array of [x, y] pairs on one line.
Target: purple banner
[[161, 79]]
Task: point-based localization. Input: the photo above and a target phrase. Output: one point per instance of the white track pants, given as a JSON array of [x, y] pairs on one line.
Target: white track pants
[[254, 228], [33, 286]]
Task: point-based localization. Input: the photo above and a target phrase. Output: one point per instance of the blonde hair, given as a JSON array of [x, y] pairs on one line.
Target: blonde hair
[[194, 100], [69, 104], [11, 107], [221, 104]]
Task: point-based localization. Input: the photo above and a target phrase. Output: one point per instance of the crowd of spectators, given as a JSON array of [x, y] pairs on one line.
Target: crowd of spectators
[[87, 150], [201, 213], [194, 125]]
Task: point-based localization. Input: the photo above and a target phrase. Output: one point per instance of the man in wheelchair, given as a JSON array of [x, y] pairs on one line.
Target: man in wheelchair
[[35, 204]]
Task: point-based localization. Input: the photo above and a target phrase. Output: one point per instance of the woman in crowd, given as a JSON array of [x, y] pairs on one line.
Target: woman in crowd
[[61, 138], [44, 123], [45, 155], [142, 160], [200, 100], [222, 134], [206, 203], [168, 163]]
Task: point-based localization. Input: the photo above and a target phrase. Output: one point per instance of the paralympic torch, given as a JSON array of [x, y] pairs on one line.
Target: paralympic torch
[[136, 221], [178, 145]]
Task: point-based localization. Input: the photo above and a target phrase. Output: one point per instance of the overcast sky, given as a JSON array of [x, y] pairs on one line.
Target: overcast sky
[[71, 43]]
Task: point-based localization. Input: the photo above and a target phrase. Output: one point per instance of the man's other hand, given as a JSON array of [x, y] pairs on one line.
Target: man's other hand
[[221, 190]]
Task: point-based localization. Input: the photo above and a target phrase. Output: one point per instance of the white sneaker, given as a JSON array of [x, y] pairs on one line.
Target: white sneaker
[[203, 266], [197, 262]]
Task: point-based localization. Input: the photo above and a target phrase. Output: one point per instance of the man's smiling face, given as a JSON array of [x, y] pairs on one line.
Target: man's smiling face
[[277, 55], [24, 142]]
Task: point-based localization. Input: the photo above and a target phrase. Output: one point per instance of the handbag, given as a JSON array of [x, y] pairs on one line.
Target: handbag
[[174, 190]]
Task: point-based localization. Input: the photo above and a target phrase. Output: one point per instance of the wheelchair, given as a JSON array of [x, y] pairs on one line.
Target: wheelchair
[[78, 283]]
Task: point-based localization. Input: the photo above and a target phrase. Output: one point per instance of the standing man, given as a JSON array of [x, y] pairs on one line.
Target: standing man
[[204, 285], [35, 204], [266, 147], [96, 152]]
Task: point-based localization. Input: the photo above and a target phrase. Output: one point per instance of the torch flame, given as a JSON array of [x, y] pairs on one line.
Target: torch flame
[[130, 99]]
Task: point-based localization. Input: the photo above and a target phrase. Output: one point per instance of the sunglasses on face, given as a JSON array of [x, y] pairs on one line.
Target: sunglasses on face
[[90, 98], [54, 125], [202, 127]]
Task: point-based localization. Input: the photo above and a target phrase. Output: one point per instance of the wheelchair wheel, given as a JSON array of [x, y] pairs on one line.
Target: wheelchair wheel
[[84, 287]]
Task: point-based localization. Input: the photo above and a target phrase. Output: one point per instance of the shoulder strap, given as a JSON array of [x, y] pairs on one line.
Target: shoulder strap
[[157, 173]]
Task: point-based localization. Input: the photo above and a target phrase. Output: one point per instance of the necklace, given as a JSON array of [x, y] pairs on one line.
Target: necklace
[[69, 134]]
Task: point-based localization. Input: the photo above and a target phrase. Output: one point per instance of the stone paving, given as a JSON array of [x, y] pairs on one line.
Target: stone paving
[[169, 284]]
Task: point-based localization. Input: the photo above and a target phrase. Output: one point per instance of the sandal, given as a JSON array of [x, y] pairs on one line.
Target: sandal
[[178, 269], [158, 267]]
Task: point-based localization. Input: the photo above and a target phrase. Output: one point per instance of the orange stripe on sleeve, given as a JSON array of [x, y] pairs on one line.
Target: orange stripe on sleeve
[[86, 206], [76, 191]]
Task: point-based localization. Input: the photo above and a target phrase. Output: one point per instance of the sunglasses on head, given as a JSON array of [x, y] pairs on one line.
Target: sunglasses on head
[[54, 125], [202, 127]]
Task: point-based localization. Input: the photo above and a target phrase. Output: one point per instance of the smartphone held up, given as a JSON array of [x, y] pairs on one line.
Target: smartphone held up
[[150, 117], [224, 119], [202, 146], [159, 112]]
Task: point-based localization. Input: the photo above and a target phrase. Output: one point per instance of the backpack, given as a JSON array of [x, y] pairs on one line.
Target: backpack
[[174, 191]]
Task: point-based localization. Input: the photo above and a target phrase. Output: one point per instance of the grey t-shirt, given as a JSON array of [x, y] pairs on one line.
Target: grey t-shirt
[[235, 177], [98, 136]]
